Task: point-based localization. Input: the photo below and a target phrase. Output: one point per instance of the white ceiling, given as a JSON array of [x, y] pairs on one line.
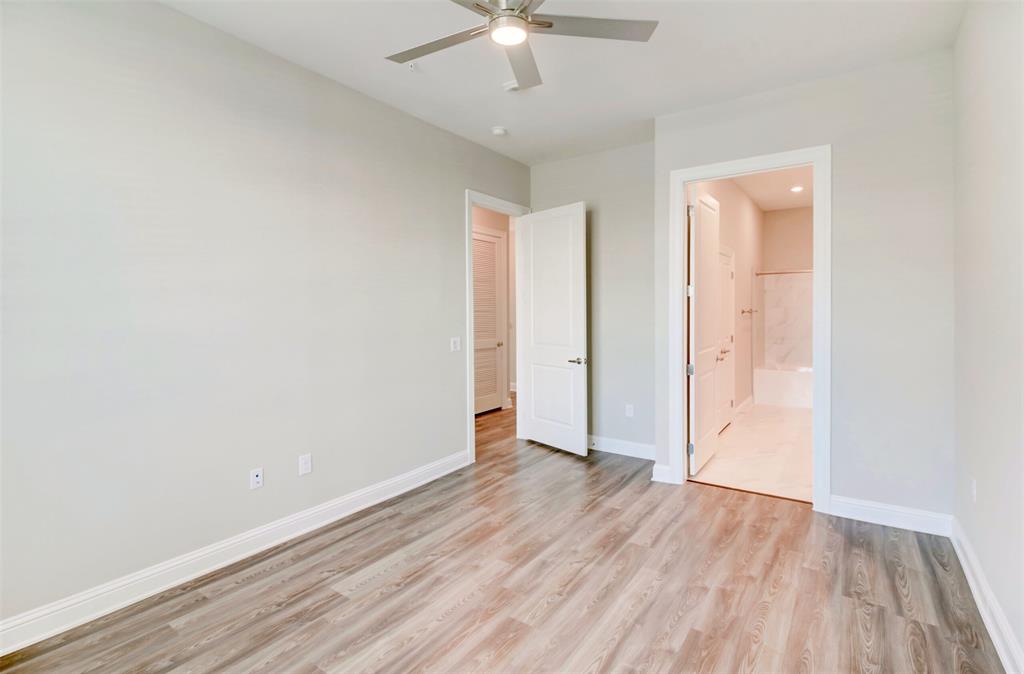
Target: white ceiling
[[770, 190], [596, 93]]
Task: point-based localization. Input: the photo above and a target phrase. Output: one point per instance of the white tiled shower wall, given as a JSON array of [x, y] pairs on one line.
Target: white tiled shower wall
[[785, 376]]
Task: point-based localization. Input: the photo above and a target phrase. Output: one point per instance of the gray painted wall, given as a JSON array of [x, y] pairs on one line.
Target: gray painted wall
[[618, 186], [213, 260], [990, 297], [891, 131]]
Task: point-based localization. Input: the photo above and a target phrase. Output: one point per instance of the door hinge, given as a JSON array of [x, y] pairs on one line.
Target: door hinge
[[689, 448], [689, 290], [732, 403], [690, 371]]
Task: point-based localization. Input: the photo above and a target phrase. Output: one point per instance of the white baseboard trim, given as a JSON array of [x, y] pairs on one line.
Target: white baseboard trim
[[663, 473], [888, 515], [745, 405], [40, 623], [998, 625], [636, 450]]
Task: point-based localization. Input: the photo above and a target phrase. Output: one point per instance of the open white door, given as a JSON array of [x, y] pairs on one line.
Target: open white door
[[725, 383], [704, 324], [551, 327]]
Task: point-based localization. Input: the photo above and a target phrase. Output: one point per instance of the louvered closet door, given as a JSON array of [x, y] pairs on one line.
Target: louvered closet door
[[490, 318]]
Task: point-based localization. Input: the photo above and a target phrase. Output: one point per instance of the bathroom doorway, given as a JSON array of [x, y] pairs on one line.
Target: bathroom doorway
[[750, 342]]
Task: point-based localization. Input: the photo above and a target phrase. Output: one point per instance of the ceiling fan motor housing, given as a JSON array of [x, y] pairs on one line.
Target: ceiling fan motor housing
[[508, 29]]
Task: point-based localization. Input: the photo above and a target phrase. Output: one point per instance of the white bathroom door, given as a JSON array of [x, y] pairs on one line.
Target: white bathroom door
[[704, 310], [551, 327], [725, 383], [490, 318]]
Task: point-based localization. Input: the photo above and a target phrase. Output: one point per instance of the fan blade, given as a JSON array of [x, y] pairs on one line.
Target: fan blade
[[482, 8], [531, 6], [585, 26], [438, 45], [524, 67]]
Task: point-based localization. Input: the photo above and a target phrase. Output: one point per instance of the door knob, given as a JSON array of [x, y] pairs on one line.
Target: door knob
[[501, 343], [578, 361]]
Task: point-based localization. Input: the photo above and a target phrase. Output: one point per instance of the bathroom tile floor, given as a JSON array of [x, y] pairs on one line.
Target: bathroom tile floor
[[767, 450]]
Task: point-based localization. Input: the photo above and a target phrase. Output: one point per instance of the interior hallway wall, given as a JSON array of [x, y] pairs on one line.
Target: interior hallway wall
[[741, 224], [789, 239], [484, 217], [618, 187], [213, 260], [990, 301], [891, 130]]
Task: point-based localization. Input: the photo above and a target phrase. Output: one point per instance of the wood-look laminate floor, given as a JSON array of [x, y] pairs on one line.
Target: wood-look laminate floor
[[537, 560]]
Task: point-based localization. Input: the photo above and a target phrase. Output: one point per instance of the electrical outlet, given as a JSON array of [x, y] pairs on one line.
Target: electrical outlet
[[255, 478], [456, 344], [629, 411], [305, 464], [974, 490]]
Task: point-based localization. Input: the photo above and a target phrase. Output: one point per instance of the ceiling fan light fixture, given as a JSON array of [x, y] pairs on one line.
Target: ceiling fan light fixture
[[508, 30], [509, 24]]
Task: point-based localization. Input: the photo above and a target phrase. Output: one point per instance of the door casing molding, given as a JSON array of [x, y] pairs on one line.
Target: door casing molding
[[820, 158], [510, 209]]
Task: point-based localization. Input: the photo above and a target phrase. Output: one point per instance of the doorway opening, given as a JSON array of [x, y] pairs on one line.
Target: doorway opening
[[750, 339], [527, 328], [688, 375], [490, 314]]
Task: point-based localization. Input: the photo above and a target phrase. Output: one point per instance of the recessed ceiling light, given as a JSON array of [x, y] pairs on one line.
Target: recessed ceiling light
[[508, 30], [499, 131], [796, 188]]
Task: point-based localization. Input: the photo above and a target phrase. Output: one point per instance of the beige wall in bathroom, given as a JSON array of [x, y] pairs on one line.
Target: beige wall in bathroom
[[788, 239], [741, 223]]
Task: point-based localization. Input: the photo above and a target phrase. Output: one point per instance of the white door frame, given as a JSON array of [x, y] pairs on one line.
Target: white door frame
[[497, 205], [820, 157]]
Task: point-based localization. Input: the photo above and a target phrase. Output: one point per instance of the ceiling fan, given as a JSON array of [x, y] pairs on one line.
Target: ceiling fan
[[509, 22]]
